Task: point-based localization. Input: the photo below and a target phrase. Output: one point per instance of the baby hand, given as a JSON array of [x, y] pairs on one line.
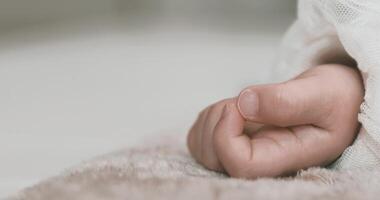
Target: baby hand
[[277, 129]]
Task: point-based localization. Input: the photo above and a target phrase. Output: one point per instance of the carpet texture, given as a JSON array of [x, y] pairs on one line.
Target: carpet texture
[[166, 171]]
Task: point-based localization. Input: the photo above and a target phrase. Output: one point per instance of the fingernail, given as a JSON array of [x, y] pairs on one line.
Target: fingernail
[[248, 104]]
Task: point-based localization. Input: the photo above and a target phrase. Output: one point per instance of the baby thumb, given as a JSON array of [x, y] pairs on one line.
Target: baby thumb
[[295, 102]]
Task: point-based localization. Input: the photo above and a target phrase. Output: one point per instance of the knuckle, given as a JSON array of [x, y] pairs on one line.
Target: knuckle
[[281, 96], [223, 102], [220, 104], [283, 103], [216, 109], [212, 108]]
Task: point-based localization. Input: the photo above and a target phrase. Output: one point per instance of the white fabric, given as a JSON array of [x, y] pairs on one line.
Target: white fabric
[[335, 31]]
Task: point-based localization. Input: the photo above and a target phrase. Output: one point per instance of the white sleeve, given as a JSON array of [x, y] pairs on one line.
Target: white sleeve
[[340, 31]]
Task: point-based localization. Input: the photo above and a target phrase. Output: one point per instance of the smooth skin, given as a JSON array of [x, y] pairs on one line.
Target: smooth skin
[[277, 129]]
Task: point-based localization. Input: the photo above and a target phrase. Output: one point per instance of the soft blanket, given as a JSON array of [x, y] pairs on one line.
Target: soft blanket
[[167, 171]]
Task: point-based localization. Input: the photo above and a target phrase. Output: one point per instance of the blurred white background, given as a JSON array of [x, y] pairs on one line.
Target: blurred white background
[[80, 78]]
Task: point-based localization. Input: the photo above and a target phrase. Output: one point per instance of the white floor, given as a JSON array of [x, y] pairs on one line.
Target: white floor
[[70, 92]]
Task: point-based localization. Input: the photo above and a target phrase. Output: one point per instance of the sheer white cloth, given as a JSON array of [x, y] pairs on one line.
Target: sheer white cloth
[[341, 31]]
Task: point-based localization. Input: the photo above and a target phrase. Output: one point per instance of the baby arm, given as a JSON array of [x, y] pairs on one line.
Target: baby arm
[[278, 129]]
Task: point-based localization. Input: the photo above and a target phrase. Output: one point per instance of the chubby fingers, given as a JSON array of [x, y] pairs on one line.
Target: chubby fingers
[[232, 147], [201, 134], [271, 151]]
